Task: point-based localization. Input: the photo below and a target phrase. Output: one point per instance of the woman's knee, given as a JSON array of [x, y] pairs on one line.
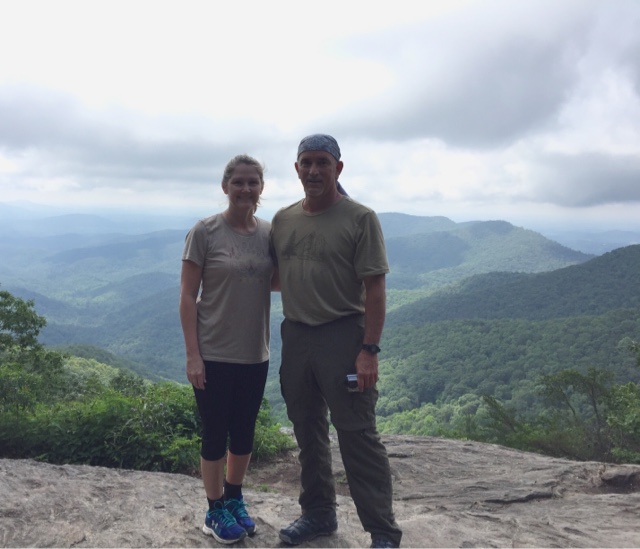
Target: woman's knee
[[212, 450]]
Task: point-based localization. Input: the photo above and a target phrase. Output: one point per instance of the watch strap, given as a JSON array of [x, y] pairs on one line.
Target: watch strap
[[371, 348]]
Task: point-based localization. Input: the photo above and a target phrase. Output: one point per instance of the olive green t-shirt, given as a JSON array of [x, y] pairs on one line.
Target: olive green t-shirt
[[235, 299], [323, 258]]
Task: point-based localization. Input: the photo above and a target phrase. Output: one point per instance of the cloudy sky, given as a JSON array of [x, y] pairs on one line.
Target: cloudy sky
[[527, 111]]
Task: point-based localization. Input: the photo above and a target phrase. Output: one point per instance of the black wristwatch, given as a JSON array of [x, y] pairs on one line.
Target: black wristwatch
[[371, 348]]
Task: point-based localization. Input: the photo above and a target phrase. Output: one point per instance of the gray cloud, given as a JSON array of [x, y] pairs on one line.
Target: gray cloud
[[496, 102], [585, 180], [495, 75], [66, 139]]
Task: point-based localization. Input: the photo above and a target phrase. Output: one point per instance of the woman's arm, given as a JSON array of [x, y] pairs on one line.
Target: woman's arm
[[190, 280], [275, 280]]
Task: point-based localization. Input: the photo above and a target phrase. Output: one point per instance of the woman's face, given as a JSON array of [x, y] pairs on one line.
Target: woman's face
[[244, 187]]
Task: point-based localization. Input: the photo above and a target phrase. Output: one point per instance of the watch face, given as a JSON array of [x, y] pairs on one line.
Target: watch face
[[372, 348]]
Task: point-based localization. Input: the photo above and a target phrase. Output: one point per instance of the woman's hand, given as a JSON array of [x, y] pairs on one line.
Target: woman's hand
[[196, 372]]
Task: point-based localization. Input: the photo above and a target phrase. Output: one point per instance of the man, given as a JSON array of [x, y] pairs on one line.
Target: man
[[332, 264]]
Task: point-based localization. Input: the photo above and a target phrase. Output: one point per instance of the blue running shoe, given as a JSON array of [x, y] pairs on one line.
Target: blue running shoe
[[237, 508], [220, 524]]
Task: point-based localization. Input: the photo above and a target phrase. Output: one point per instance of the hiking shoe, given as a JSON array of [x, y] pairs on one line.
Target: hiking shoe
[[237, 508], [308, 527], [220, 524], [380, 541]]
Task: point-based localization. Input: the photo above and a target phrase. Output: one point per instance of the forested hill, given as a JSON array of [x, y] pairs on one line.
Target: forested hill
[[605, 283], [431, 252], [497, 334]]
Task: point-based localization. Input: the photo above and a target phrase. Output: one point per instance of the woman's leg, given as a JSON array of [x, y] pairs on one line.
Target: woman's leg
[[237, 467], [212, 477]]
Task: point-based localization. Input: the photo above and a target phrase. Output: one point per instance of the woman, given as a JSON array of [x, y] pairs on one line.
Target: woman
[[226, 280]]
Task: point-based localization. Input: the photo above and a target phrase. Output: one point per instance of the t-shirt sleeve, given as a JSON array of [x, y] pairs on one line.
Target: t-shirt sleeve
[[195, 245], [371, 254]]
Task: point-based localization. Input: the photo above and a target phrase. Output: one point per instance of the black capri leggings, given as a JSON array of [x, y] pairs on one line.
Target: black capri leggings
[[229, 406]]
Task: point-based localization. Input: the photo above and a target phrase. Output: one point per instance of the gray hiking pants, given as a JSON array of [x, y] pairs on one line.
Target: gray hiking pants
[[315, 363]]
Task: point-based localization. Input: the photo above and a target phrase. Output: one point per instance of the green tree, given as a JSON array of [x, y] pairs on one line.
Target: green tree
[[29, 373], [586, 396], [19, 323], [623, 414], [623, 417]]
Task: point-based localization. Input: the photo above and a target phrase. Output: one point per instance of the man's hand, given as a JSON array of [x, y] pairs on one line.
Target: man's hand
[[367, 369]]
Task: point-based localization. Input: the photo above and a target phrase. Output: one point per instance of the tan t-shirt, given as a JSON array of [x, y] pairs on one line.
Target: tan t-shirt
[[235, 300], [323, 257]]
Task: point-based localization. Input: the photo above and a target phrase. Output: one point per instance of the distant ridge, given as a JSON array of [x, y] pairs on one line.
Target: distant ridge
[[600, 285], [400, 224], [446, 252]]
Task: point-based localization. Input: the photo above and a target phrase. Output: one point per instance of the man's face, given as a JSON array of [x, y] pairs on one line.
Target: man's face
[[318, 171]]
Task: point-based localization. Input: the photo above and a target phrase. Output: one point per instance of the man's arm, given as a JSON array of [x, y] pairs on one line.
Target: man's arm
[[375, 306]]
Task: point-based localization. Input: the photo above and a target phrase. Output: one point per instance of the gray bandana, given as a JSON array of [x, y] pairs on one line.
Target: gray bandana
[[320, 142]]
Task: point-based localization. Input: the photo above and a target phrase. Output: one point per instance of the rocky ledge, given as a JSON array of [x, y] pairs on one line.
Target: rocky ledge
[[448, 493]]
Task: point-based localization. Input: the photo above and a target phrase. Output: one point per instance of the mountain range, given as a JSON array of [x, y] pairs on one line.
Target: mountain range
[[465, 300]]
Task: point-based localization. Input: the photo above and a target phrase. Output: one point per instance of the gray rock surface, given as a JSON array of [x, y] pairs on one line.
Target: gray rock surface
[[448, 493]]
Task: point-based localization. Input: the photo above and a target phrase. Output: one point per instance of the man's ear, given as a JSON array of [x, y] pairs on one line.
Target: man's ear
[[339, 167]]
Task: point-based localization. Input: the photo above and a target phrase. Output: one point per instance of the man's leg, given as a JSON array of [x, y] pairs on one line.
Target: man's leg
[[353, 414], [317, 486], [369, 475], [307, 410]]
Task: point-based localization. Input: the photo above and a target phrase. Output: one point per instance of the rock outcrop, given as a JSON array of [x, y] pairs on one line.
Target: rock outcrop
[[448, 493]]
